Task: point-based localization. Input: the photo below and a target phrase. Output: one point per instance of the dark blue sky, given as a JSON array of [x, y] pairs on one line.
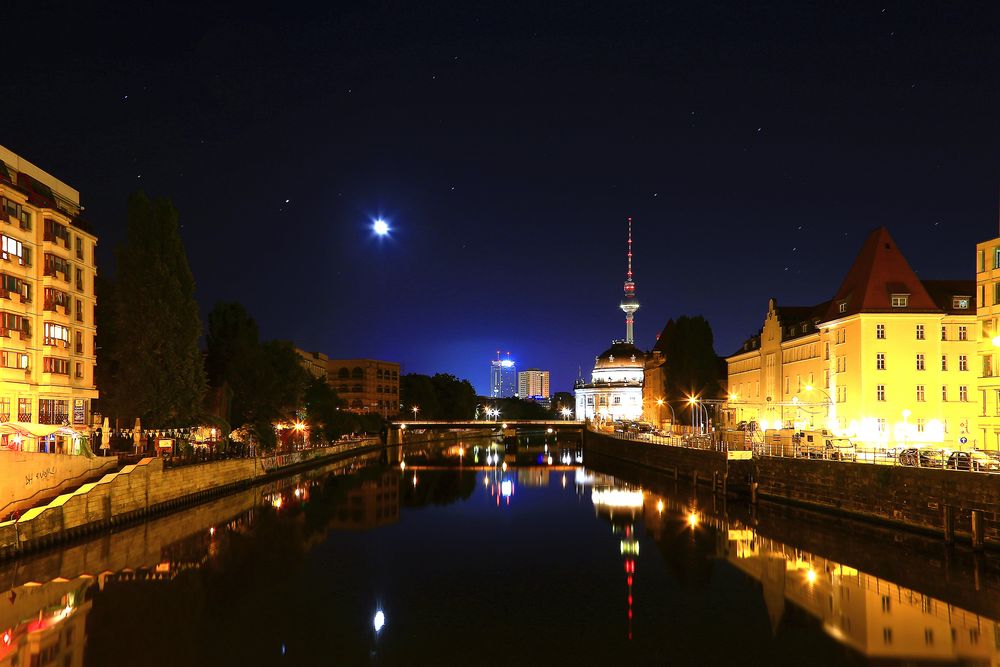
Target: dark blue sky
[[754, 144]]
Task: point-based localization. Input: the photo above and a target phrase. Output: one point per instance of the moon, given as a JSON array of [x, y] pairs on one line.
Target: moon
[[380, 227]]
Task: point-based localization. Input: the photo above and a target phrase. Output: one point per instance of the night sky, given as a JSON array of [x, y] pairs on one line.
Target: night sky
[[754, 144]]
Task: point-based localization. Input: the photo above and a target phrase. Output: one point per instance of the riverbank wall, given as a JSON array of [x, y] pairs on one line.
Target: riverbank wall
[[949, 504], [28, 478], [148, 488], [701, 466], [923, 499]]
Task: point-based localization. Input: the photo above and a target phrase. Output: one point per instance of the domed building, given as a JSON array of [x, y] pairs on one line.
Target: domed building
[[615, 388]]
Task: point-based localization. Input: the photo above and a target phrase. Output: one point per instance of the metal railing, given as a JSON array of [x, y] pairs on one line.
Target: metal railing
[[906, 457], [707, 441]]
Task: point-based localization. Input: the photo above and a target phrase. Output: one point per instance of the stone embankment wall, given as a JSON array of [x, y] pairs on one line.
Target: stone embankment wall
[[146, 488], [914, 498], [29, 477], [703, 466]]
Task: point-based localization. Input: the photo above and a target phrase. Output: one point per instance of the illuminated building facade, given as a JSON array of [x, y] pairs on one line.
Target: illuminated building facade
[[47, 299], [988, 337], [367, 385], [315, 363], [533, 384], [615, 388], [888, 361], [503, 377]]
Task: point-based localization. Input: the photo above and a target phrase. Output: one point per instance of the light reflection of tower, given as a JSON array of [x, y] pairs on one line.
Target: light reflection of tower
[[629, 571], [629, 303]]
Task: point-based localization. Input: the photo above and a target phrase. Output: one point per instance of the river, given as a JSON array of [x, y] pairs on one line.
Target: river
[[477, 554]]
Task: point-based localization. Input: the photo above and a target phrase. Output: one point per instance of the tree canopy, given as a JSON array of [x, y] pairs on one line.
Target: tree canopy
[[442, 396], [151, 366], [692, 367]]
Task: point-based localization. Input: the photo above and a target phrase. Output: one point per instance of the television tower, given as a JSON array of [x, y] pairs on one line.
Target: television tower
[[629, 303]]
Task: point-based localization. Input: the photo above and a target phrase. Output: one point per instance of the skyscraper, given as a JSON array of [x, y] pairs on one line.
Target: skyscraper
[[533, 383], [503, 377]]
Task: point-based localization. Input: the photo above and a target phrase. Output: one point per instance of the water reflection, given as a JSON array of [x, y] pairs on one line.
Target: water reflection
[[298, 571]]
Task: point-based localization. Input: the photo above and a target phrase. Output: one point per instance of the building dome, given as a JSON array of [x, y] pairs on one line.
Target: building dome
[[621, 355]]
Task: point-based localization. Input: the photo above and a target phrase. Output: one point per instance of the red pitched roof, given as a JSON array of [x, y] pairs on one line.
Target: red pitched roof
[[878, 272]]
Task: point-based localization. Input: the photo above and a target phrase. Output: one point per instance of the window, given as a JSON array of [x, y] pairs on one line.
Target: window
[[880, 361], [981, 260], [78, 342], [944, 332], [12, 359], [880, 331], [963, 332], [944, 362], [900, 300], [79, 248], [56, 334], [881, 425], [79, 370], [963, 393], [24, 409], [996, 293], [842, 307], [79, 310], [960, 302], [944, 392], [920, 332], [56, 299], [55, 232], [880, 392], [928, 636], [920, 362], [921, 424], [343, 374], [920, 393], [841, 336], [981, 300], [5, 409], [886, 604], [16, 211], [996, 257], [987, 365], [12, 249], [52, 411], [13, 322], [787, 386], [79, 278], [56, 366], [887, 635], [963, 362], [618, 399], [54, 264]]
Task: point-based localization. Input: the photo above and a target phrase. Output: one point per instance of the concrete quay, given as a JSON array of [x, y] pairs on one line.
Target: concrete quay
[[148, 488]]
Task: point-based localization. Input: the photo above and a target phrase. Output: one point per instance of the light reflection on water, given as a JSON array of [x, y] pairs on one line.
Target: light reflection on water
[[549, 543]]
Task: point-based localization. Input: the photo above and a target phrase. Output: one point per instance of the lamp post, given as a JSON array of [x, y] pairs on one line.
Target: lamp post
[[829, 399], [659, 412], [415, 409], [693, 402]]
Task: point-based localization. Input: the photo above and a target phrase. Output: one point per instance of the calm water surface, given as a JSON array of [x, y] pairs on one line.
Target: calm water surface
[[472, 564]]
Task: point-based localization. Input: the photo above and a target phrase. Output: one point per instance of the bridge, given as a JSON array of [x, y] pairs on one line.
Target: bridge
[[520, 424]]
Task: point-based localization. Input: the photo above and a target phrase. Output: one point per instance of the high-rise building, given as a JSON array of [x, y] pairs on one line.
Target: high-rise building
[[533, 384], [503, 377], [47, 285], [615, 388], [988, 337], [889, 360], [368, 385]]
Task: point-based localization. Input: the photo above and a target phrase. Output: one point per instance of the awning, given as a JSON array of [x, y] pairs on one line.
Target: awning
[[29, 430]]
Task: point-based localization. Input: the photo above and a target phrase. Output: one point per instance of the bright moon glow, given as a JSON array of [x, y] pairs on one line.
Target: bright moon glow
[[379, 620], [381, 227]]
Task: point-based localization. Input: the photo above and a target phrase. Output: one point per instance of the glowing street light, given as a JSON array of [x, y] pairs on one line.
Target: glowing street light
[[380, 227], [566, 412], [379, 621], [415, 409]]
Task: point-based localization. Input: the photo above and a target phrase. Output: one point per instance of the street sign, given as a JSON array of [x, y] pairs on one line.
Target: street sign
[[963, 440]]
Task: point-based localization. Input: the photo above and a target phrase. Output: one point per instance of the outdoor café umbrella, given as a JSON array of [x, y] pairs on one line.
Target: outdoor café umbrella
[[105, 436], [137, 435]]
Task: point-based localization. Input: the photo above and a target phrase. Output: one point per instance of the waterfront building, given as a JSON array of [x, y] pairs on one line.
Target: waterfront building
[[315, 363], [48, 330], [615, 388], [887, 361], [367, 385], [533, 384], [656, 410], [503, 377], [988, 337]]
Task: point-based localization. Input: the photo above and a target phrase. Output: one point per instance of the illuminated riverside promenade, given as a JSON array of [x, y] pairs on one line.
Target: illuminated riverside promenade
[[640, 567]]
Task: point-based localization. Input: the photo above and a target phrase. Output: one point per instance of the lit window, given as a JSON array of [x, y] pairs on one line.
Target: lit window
[[921, 425], [842, 307], [960, 303], [900, 300]]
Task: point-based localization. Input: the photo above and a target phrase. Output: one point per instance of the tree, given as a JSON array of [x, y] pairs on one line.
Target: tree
[[417, 391], [150, 326], [692, 367], [322, 410], [232, 358], [442, 396]]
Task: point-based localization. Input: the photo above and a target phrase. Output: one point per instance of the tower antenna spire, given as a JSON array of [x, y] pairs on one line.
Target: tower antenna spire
[[629, 302]]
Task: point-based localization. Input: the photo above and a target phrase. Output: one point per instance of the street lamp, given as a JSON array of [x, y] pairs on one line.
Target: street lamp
[[566, 413], [692, 401], [415, 409]]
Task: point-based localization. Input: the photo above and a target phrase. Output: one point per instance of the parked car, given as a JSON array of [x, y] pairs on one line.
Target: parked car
[[972, 461], [923, 457], [747, 426]]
